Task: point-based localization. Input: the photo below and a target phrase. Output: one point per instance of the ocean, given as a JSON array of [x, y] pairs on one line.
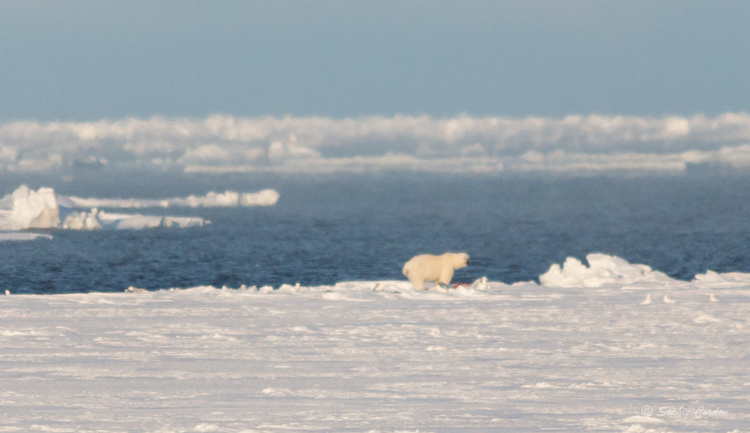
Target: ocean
[[332, 228]]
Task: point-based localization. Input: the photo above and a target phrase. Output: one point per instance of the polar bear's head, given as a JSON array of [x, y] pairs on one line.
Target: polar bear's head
[[459, 260]]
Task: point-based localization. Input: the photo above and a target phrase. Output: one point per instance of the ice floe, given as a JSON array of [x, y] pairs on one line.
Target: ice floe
[[43, 209], [23, 236], [266, 197]]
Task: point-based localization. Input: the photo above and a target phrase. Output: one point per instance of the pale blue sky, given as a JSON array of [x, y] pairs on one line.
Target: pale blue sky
[[89, 60]]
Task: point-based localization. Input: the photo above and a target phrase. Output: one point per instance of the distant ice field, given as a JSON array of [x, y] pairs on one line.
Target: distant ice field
[[328, 229]]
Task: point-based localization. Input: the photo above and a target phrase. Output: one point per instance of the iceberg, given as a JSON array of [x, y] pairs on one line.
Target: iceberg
[[26, 209], [82, 221], [42, 209]]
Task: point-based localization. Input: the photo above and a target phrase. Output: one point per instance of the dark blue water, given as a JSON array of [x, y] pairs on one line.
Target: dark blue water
[[364, 227]]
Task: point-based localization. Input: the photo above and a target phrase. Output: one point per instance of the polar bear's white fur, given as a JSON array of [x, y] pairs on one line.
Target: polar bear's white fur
[[427, 267]]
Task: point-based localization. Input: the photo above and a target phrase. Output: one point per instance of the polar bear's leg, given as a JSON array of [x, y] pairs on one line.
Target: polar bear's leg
[[445, 277], [418, 283]]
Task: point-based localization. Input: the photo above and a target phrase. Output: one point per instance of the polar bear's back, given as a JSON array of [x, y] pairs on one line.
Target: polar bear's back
[[426, 264]]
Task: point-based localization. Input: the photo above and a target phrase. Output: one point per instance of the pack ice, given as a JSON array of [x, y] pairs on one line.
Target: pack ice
[[602, 270], [29, 209]]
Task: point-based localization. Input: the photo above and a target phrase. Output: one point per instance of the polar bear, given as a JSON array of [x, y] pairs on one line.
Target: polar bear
[[427, 267]]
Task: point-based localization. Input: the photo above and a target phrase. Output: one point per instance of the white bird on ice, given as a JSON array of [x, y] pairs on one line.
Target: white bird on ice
[[648, 300], [481, 284], [668, 300], [713, 298]]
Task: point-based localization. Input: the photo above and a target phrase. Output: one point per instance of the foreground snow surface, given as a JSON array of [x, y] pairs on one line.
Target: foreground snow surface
[[378, 356]]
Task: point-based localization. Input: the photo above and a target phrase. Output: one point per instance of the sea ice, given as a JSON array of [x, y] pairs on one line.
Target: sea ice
[[25, 209], [729, 279], [23, 236], [82, 220], [377, 356], [602, 270], [266, 197]]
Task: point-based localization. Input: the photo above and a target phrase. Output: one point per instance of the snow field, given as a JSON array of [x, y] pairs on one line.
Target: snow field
[[379, 356]]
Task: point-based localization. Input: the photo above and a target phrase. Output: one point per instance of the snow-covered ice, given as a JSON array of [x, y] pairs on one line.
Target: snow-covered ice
[[602, 270], [380, 356], [29, 209], [23, 236], [25, 208], [266, 197]]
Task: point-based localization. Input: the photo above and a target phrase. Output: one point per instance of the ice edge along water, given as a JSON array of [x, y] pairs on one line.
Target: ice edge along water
[[29, 209], [604, 271]]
